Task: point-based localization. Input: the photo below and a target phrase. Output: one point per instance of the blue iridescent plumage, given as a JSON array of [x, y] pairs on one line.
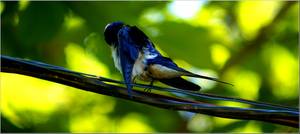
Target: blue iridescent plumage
[[136, 57], [128, 52]]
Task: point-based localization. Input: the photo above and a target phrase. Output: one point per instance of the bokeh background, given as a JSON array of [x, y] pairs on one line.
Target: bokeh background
[[201, 36]]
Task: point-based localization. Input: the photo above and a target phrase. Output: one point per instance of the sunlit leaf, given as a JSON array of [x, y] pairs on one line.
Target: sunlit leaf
[[1, 7], [253, 15], [23, 4], [284, 69], [200, 123], [134, 122], [251, 127], [90, 123], [81, 61], [219, 54], [245, 81], [31, 95]]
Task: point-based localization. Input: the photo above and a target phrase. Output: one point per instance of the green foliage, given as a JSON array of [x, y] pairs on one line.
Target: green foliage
[[180, 40], [35, 28], [70, 34]]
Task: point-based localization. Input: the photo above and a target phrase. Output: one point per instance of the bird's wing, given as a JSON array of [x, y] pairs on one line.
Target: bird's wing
[[139, 37], [167, 62], [128, 53], [206, 77], [180, 83]]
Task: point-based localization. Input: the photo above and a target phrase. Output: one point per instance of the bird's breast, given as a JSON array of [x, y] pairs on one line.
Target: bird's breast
[[139, 69], [116, 58], [157, 71], [138, 66]]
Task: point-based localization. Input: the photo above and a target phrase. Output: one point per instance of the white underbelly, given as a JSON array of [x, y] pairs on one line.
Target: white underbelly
[[138, 67], [116, 58], [162, 72], [138, 70]]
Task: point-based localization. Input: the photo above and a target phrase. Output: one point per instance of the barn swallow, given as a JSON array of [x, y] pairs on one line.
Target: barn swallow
[[135, 57]]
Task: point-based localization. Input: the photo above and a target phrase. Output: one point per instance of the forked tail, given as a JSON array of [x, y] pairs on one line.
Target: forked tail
[[206, 77]]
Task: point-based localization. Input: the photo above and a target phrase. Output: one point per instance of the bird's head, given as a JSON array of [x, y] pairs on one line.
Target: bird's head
[[111, 32]]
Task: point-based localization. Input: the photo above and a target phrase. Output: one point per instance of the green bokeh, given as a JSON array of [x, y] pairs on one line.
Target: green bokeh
[[70, 34]]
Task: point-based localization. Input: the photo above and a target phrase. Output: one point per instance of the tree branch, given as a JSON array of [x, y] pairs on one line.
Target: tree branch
[[268, 113], [262, 36]]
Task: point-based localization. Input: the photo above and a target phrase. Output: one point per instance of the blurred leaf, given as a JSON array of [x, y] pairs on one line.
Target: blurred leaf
[[219, 54], [200, 123], [284, 71], [183, 41], [94, 44], [78, 60], [7, 126], [134, 122], [43, 31], [42, 98], [253, 15], [98, 14], [250, 127], [40, 22]]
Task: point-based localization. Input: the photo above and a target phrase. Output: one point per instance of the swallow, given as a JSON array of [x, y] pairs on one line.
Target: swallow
[[135, 57]]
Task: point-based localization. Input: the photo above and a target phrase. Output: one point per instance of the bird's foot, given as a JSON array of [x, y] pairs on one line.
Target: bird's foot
[[148, 90]]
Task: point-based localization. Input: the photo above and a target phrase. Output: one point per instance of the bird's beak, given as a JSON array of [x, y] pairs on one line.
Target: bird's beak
[[106, 26]]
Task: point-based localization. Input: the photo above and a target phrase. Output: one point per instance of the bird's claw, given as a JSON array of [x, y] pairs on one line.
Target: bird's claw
[[148, 90]]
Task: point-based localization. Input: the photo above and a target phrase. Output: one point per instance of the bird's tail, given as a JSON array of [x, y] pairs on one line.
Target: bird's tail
[[181, 83], [206, 77]]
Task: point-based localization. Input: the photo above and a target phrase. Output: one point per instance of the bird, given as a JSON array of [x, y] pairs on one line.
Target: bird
[[136, 57]]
